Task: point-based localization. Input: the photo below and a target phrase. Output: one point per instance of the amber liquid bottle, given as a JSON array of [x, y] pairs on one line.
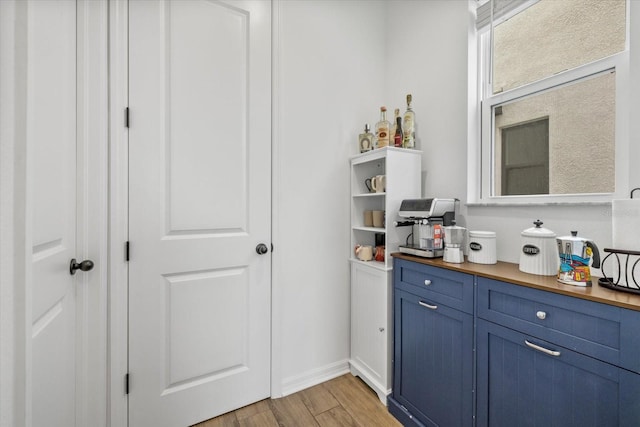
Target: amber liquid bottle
[[382, 129]]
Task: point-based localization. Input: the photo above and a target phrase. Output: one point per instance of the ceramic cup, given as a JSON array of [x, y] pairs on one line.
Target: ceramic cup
[[379, 183], [368, 218], [378, 219], [364, 252], [369, 184]]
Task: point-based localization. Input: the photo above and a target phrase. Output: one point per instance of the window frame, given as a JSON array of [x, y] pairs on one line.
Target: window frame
[[481, 160]]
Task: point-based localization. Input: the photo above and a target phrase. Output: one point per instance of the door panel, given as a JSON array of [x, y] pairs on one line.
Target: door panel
[[520, 386], [206, 113], [433, 371], [368, 321], [199, 151], [193, 305], [51, 136]]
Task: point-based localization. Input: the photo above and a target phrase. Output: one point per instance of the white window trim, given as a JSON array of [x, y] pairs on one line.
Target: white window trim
[[480, 121]]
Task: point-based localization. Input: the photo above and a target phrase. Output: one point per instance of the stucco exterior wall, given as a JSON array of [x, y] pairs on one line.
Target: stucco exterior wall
[[550, 37]]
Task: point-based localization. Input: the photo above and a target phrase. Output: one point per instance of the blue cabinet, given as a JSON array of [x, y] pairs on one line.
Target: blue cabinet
[[525, 381], [433, 346], [550, 360], [473, 350]]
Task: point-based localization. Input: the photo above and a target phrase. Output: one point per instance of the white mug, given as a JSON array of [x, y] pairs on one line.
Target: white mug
[[379, 183], [364, 252]]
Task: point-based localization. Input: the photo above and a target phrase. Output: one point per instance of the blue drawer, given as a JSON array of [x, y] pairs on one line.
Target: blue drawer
[[607, 333], [438, 285]]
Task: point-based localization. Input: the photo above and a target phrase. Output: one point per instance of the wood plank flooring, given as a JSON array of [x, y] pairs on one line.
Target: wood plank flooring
[[345, 401]]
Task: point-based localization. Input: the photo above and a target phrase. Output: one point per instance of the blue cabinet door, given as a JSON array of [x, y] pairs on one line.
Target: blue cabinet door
[[433, 361], [523, 381]]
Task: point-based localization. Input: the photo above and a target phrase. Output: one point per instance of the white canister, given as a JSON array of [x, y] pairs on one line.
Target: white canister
[[482, 247], [539, 251]]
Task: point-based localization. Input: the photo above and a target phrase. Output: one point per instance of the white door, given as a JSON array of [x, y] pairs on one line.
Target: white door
[[199, 203], [52, 185]]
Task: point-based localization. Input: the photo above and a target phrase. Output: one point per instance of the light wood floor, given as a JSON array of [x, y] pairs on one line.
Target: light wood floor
[[343, 401]]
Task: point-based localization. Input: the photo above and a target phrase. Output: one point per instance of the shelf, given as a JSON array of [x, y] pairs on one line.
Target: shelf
[[378, 265], [371, 229], [379, 153], [370, 194]]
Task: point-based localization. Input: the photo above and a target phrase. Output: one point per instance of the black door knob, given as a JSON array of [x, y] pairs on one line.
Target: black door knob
[[262, 249], [85, 265]]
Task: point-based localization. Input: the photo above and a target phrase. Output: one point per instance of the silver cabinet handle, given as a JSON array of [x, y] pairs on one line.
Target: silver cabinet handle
[[542, 349], [424, 304], [541, 315], [427, 282], [381, 329]]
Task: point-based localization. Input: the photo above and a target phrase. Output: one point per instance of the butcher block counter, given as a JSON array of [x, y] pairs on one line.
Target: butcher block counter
[[509, 272]]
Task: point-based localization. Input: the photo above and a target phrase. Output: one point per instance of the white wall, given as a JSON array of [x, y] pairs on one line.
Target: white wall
[[329, 69], [14, 321], [334, 67], [427, 57]]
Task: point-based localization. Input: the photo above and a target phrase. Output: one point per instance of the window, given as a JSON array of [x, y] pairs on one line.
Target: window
[[549, 77], [525, 158]]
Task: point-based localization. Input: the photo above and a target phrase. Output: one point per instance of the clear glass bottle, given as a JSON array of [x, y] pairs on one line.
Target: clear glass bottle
[[409, 126], [382, 129], [394, 126], [366, 140]]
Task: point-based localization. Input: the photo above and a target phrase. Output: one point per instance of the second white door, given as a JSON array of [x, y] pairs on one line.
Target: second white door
[[51, 135], [200, 204]]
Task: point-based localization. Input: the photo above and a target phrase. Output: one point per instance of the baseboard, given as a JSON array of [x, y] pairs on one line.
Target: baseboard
[[365, 375], [313, 377]]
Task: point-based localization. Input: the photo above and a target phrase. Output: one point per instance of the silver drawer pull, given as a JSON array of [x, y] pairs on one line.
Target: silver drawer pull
[[542, 349], [427, 282], [541, 315], [424, 304]]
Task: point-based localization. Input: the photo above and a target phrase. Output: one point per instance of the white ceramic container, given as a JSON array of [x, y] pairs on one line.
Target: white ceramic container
[[482, 247], [539, 251]]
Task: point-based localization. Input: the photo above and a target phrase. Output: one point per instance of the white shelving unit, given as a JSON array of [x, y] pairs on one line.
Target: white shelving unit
[[371, 286]]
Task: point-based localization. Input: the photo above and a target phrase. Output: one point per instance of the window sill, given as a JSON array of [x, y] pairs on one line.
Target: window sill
[[536, 203]]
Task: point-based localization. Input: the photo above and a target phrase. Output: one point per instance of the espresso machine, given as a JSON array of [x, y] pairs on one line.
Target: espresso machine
[[428, 217]]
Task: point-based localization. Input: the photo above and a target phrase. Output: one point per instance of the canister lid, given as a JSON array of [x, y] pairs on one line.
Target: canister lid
[[453, 227], [486, 234], [538, 231], [574, 238]]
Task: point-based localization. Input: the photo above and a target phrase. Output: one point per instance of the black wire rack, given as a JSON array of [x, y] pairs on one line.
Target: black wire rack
[[624, 261]]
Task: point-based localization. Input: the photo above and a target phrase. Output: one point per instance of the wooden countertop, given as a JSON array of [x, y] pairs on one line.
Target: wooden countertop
[[508, 272]]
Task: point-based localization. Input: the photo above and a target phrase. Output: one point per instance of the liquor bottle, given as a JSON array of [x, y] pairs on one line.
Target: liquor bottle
[[409, 126], [398, 137], [382, 129], [366, 140], [394, 126]]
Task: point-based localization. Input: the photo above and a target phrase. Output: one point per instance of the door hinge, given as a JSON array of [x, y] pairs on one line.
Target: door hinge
[[126, 383], [126, 251], [126, 117]]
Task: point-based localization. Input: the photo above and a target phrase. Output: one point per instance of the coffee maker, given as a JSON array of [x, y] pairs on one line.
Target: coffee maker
[[428, 217]]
